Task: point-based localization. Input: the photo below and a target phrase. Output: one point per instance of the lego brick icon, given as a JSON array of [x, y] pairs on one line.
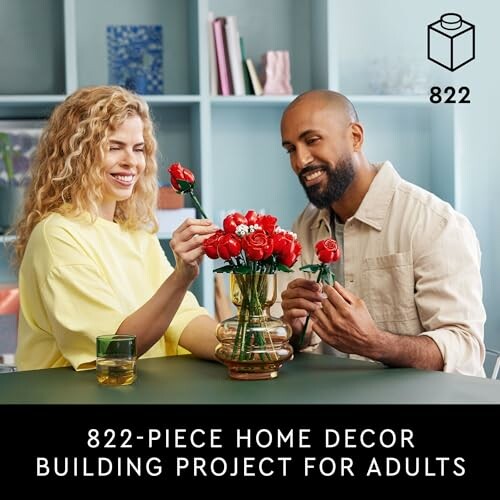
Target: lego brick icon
[[451, 41]]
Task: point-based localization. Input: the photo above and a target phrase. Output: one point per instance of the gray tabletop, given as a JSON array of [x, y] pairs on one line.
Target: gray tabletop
[[309, 378]]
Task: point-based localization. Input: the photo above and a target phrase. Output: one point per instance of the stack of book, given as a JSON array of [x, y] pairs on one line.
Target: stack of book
[[231, 72]]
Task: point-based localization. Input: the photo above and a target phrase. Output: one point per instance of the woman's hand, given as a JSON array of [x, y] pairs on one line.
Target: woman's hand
[[186, 244]]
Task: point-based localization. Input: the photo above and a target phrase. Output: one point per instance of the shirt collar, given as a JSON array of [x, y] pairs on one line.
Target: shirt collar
[[322, 217], [375, 204]]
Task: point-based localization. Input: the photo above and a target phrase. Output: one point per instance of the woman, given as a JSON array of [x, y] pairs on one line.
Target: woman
[[90, 262]]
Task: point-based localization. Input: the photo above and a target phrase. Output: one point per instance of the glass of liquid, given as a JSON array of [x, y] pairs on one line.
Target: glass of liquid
[[116, 359]]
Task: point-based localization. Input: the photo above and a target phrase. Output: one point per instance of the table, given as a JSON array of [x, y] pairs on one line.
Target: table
[[307, 379]]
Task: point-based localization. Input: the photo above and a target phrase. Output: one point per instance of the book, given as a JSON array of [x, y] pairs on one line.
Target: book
[[257, 86], [234, 55], [212, 62], [246, 75], [223, 69]]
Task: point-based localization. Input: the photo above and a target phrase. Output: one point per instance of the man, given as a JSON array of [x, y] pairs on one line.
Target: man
[[410, 291]]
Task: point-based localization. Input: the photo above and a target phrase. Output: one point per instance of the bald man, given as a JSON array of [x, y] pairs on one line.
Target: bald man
[[408, 290]]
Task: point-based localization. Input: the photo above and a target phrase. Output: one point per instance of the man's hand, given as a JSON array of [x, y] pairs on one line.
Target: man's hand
[[300, 298], [344, 322]]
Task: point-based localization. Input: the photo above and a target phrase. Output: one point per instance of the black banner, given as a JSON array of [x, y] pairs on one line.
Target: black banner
[[198, 445]]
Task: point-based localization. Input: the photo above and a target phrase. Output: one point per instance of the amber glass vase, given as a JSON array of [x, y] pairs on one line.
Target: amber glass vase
[[253, 344]]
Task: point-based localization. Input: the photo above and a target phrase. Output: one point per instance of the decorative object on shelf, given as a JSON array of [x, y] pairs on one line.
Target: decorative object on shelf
[[18, 142], [135, 57], [276, 72], [253, 344], [398, 76], [183, 181], [168, 198], [327, 252]]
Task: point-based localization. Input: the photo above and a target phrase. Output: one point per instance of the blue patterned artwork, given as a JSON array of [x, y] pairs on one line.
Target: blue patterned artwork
[[135, 57]]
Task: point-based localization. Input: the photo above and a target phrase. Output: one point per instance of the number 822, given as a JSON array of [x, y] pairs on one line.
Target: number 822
[[449, 95]]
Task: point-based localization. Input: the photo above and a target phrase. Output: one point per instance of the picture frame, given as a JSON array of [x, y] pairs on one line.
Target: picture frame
[[135, 57], [18, 142]]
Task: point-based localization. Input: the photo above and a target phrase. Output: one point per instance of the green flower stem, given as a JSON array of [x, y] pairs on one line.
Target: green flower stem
[[303, 334], [197, 203], [253, 289]]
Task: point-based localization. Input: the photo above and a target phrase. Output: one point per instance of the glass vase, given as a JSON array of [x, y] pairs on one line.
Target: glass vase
[[253, 344]]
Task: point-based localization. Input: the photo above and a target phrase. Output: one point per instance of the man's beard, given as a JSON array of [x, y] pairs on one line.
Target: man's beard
[[338, 180]]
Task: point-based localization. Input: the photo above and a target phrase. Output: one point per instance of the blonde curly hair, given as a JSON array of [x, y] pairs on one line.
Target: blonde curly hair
[[67, 174]]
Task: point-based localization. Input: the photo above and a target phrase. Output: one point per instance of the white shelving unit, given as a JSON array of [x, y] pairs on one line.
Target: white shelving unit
[[232, 143]]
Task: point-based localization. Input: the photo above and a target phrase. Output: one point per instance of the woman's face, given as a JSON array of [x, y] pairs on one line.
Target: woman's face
[[124, 162]]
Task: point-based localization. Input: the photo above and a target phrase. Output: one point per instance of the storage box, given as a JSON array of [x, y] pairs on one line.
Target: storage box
[[168, 198]]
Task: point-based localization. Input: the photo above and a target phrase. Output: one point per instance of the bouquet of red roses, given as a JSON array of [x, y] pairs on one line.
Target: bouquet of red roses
[[253, 243], [253, 247]]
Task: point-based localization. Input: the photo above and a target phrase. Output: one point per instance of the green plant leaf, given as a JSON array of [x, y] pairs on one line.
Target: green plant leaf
[[328, 277], [242, 270], [224, 269], [285, 269], [311, 268], [185, 186]]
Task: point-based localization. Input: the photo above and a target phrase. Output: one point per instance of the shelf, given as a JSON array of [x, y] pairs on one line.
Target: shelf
[[252, 100], [32, 40], [36, 106], [30, 100], [179, 35], [389, 99], [232, 143], [279, 100], [172, 99]]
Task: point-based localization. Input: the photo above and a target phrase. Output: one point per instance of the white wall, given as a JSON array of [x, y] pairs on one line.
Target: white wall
[[394, 32]]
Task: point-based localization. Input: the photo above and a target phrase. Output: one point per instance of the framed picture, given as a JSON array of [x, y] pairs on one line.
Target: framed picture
[[135, 57], [18, 141]]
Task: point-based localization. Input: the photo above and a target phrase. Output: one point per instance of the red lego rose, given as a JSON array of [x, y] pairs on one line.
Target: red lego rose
[[327, 251]]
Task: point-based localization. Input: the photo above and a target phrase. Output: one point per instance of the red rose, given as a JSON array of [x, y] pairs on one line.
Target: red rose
[[228, 246], [179, 173], [267, 223], [290, 259], [257, 245], [210, 244], [252, 217], [232, 221], [327, 251], [287, 248]]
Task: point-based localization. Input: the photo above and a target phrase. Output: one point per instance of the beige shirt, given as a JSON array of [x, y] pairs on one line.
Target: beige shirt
[[415, 262]]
